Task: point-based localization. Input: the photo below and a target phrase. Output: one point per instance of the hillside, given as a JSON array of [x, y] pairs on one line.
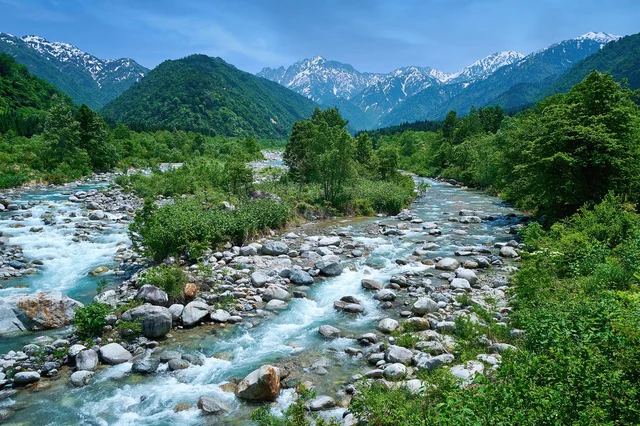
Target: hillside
[[84, 77], [209, 95], [621, 59], [24, 97]]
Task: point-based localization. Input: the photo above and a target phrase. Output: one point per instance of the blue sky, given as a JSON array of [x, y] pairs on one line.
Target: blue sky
[[371, 35]]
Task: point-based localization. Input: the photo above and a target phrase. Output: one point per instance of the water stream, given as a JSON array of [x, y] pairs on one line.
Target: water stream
[[120, 398]]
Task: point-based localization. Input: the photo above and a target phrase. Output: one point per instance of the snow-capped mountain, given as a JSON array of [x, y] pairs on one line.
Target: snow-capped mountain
[[86, 78], [417, 93], [321, 80]]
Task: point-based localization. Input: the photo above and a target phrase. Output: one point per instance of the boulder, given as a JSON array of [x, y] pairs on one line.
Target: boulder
[[194, 312], [371, 284], [23, 378], [467, 274], [329, 331], [353, 308], [87, 360], [329, 241], [152, 294], [261, 385], [176, 311], [209, 405], [9, 322], [388, 325], [398, 354], [507, 251], [99, 271], [276, 305], [418, 323], [259, 279], [447, 264], [97, 215], [274, 248], [156, 321], [428, 362], [220, 316], [385, 295], [275, 292], [329, 265], [395, 372], [300, 277], [460, 284], [145, 366], [178, 364], [424, 305], [39, 311], [114, 353], [81, 378], [320, 403]]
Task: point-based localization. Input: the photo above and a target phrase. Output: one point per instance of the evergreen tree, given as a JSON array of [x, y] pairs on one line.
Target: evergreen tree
[[364, 149]]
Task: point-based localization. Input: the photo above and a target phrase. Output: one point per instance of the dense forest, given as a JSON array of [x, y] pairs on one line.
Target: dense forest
[[210, 96]]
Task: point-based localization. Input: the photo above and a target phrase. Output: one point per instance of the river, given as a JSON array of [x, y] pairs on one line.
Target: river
[[120, 398]]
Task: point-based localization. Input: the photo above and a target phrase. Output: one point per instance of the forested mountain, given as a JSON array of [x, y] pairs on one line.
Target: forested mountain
[[621, 59], [415, 93], [211, 96], [24, 98], [86, 78]]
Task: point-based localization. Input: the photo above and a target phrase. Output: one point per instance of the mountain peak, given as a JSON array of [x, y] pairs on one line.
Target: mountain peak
[[599, 37]]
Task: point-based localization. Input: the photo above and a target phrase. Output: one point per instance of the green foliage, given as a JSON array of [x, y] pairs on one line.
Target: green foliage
[[170, 278], [90, 319], [579, 360], [208, 95], [294, 415], [190, 225]]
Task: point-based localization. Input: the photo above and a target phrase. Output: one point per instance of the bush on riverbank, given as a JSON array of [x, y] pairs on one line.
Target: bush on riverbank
[[193, 224], [577, 299]]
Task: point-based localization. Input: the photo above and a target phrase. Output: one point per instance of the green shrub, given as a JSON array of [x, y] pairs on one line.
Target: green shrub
[[170, 278], [90, 319]]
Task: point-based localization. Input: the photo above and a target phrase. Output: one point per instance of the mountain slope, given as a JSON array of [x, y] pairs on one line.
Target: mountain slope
[[82, 76], [620, 58], [209, 95], [539, 69]]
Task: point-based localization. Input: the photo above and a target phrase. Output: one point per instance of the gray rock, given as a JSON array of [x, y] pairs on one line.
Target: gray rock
[[320, 403], [81, 378], [467, 274], [428, 362], [156, 321], [209, 405], [39, 311], [176, 311], [385, 295], [277, 293], [274, 248], [178, 364], [329, 265], [300, 277], [25, 377], [152, 294], [418, 323], [460, 284], [371, 284], [353, 308], [114, 353], [395, 372], [75, 350], [276, 305], [9, 322], [329, 241], [220, 316], [194, 312], [398, 354], [87, 360], [97, 215], [145, 366], [388, 325], [447, 264], [259, 279], [507, 251], [260, 385], [248, 251], [424, 305], [329, 331], [499, 348]]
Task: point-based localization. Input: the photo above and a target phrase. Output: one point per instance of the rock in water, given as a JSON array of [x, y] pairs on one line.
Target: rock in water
[[81, 378], [87, 360], [156, 320], [371, 284], [329, 331], [322, 402], [300, 277], [194, 312], [145, 366], [25, 377], [260, 385], [211, 405], [114, 353], [39, 311], [9, 322], [329, 265]]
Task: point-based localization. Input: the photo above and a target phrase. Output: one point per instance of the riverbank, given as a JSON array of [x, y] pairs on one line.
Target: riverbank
[[290, 338]]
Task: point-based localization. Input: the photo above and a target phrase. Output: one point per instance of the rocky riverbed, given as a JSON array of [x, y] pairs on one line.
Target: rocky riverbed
[[318, 306]]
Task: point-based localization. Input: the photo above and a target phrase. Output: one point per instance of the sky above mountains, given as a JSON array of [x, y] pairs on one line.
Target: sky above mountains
[[371, 35]]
